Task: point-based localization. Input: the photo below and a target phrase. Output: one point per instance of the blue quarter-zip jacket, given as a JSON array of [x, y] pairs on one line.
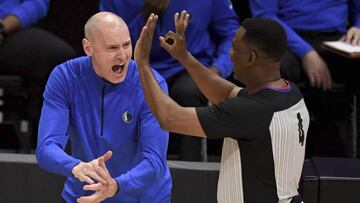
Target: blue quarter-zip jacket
[[212, 26], [28, 11], [97, 116], [308, 15]]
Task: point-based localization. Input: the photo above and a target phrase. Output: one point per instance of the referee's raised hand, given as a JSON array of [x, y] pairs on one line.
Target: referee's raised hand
[[175, 43], [143, 44]]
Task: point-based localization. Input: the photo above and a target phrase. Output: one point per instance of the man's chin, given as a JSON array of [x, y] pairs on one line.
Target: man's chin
[[117, 80]]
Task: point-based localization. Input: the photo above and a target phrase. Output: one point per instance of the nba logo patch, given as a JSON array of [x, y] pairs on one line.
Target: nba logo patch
[[127, 117]]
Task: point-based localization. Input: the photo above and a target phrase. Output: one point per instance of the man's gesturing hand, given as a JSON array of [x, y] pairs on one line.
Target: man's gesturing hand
[[102, 191], [91, 171]]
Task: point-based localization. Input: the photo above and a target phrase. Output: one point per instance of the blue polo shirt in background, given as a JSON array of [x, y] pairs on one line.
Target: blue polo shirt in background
[[212, 26], [308, 15], [29, 12]]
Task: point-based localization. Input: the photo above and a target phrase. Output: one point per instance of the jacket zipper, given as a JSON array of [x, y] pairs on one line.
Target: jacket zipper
[[102, 111]]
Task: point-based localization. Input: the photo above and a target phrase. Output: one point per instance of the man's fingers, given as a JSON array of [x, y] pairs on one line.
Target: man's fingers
[[349, 37], [164, 44], [152, 26], [312, 80], [92, 171], [96, 186], [97, 176], [346, 38], [355, 40], [101, 162], [151, 22], [176, 20], [181, 22], [182, 16], [178, 26], [148, 30], [142, 35], [85, 178], [148, 21], [324, 78], [103, 170], [319, 80], [107, 155], [186, 20], [88, 199], [353, 36], [172, 35]]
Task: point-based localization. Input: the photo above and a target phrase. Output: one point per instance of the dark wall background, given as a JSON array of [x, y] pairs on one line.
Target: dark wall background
[[66, 19], [242, 9], [325, 180]]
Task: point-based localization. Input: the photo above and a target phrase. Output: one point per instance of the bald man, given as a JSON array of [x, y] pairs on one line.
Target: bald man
[[96, 101]]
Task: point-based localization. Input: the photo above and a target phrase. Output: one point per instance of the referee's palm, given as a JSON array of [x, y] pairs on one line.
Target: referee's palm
[[143, 44]]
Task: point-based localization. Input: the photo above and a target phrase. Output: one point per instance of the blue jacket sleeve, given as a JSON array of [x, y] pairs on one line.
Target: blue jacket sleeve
[[53, 126], [354, 8], [269, 9], [31, 11], [223, 25], [154, 143]]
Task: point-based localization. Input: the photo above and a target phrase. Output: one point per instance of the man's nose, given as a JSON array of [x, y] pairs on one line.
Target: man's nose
[[121, 54]]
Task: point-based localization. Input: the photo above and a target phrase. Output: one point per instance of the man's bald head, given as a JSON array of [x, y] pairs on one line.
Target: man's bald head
[[101, 20]]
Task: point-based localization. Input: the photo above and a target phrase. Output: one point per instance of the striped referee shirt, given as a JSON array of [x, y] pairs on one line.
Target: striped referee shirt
[[264, 145]]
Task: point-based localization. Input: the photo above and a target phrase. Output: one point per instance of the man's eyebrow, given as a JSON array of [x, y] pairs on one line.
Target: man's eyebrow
[[111, 45]]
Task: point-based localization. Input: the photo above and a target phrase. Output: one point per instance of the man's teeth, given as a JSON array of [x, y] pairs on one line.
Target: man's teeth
[[118, 68]]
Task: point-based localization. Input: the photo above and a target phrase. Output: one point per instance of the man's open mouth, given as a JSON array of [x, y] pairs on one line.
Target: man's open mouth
[[118, 69]]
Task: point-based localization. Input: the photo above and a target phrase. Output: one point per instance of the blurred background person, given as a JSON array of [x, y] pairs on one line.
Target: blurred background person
[[28, 51]]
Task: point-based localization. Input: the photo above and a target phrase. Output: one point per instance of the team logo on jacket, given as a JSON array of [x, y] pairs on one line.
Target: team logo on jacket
[[127, 117]]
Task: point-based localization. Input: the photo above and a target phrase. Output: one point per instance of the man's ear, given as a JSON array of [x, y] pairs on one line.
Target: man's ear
[[251, 58], [87, 47]]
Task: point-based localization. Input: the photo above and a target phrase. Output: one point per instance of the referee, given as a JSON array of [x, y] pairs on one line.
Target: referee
[[264, 125]]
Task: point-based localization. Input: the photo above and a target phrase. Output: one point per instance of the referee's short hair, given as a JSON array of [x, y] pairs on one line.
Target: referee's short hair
[[266, 35]]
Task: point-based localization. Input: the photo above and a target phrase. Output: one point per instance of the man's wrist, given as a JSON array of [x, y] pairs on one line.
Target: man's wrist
[[116, 187], [185, 57], [74, 168], [142, 63]]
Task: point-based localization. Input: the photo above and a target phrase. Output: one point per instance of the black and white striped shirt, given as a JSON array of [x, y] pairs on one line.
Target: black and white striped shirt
[[264, 145]]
